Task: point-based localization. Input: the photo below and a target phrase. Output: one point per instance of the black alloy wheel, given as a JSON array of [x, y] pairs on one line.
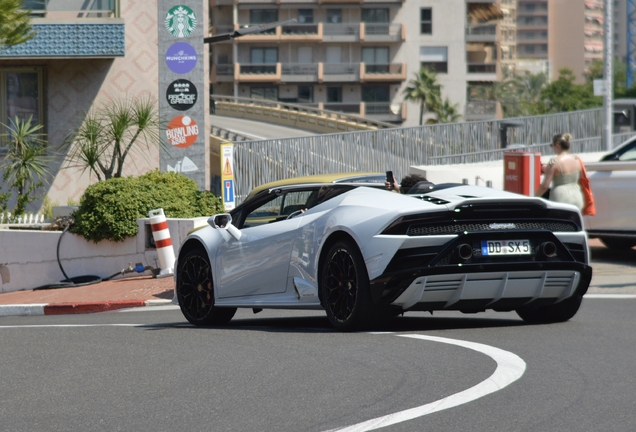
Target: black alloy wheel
[[559, 312], [195, 291], [345, 288]]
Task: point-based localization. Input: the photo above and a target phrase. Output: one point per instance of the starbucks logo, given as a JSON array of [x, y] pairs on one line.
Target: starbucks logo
[[181, 21]]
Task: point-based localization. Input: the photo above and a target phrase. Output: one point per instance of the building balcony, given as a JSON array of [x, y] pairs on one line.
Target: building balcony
[[64, 29], [384, 111], [382, 32], [481, 110], [257, 72], [340, 72], [222, 73], [382, 72], [342, 32], [308, 72], [481, 33], [482, 71], [322, 32], [72, 9]]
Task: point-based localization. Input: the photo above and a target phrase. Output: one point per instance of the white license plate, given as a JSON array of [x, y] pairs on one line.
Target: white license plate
[[505, 247]]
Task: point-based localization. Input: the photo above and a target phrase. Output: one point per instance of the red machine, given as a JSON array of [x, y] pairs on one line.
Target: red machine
[[522, 172]]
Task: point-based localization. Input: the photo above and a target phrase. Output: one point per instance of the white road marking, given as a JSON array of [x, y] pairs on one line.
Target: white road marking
[[146, 309], [609, 296], [510, 368], [72, 325]]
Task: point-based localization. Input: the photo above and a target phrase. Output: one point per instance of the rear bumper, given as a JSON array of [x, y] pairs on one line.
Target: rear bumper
[[468, 288]]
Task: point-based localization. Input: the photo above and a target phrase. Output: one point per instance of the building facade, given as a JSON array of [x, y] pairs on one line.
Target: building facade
[[560, 34], [358, 56], [84, 54]]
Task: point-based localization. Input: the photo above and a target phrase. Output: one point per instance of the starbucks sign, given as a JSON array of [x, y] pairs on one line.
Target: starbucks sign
[[180, 21]]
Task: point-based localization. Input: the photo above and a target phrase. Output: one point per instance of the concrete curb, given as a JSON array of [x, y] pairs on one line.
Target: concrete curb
[[75, 307]]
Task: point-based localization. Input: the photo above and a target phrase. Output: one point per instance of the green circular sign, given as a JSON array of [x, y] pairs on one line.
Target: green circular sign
[[180, 21]]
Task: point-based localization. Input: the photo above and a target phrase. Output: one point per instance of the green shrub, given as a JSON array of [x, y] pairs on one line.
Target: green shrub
[[109, 209]]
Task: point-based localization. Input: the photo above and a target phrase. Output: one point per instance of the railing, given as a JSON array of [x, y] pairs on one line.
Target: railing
[[378, 108], [382, 29], [225, 69], [383, 32], [478, 108], [383, 68], [26, 219], [296, 108], [300, 29], [260, 68], [228, 135], [342, 107], [341, 68], [481, 30], [258, 162], [482, 67], [351, 29], [61, 9], [300, 69]]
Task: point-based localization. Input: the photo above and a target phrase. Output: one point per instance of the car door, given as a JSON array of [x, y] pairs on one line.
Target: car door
[[258, 263], [613, 193]]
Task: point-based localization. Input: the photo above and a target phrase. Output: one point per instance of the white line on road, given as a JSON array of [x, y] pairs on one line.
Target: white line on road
[[609, 296], [72, 325], [510, 368]]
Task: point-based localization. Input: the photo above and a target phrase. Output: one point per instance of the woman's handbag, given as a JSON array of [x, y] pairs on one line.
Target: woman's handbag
[[588, 198]]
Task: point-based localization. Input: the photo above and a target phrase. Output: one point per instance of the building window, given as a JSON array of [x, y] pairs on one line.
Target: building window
[[305, 16], [334, 16], [21, 91], [376, 59], [372, 94], [262, 16], [334, 94], [262, 60], [267, 93], [435, 58], [380, 16], [305, 94], [426, 21], [264, 55]]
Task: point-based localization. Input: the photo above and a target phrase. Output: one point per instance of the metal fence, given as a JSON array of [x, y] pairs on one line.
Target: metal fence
[[258, 162]]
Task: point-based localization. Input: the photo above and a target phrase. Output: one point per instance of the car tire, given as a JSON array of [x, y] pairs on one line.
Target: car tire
[[344, 286], [559, 312], [195, 291], [618, 243]]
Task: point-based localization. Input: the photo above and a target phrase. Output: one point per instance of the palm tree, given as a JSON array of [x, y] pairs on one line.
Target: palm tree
[[424, 90], [106, 137], [25, 166], [15, 23], [447, 112]]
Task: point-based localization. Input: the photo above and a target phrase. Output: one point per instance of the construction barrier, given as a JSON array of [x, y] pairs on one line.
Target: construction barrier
[[163, 243]]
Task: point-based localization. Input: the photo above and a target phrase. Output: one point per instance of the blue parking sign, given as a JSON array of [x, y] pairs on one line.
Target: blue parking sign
[[228, 191]]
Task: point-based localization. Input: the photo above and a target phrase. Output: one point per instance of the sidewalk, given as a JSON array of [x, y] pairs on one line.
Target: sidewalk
[[103, 296]]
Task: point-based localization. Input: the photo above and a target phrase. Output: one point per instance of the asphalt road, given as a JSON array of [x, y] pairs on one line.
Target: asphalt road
[[149, 370]]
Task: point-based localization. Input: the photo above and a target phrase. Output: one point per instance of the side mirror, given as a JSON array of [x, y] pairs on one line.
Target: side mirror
[[223, 223], [220, 220]]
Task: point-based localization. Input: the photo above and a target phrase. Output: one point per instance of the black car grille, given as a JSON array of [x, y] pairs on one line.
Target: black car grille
[[487, 217], [437, 229]]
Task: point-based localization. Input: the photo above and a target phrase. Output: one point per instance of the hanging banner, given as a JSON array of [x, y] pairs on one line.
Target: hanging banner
[[183, 79], [227, 175]]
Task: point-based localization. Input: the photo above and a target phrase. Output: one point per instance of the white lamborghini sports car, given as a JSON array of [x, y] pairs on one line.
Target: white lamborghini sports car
[[363, 254]]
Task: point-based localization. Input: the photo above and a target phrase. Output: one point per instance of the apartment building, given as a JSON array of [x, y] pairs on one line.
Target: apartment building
[[358, 56], [84, 54], [559, 34]]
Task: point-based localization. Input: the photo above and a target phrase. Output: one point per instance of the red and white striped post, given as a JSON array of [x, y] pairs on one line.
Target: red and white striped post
[[163, 243]]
